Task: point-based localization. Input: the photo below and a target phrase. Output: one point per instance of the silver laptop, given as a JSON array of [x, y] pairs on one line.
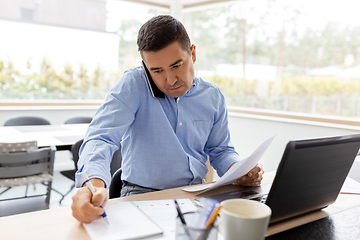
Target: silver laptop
[[309, 177]]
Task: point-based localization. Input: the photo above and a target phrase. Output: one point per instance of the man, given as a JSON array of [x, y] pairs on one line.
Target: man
[[167, 120]]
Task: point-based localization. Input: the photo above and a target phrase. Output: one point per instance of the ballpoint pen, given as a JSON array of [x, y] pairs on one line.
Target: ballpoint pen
[[92, 190], [181, 215], [182, 219], [212, 216]]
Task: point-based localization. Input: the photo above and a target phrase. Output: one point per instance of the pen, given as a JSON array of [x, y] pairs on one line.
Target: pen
[[92, 190], [181, 215], [212, 216], [210, 211], [209, 221], [182, 219]]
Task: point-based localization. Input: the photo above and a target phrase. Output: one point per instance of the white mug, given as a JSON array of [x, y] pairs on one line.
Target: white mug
[[243, 219]]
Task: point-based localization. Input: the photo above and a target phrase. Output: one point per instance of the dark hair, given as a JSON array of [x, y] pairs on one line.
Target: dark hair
[[161, 31]]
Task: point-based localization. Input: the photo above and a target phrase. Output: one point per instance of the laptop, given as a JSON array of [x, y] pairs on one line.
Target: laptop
[[309, 177]]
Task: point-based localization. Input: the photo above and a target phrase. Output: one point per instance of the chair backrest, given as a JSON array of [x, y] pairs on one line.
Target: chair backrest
[[28, 146], [115, 185], [20, 164], [76, 120], [115, 163], [26, 120], [75, 152]]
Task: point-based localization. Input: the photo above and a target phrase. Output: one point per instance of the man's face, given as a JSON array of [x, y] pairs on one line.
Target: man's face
[[172, 69]]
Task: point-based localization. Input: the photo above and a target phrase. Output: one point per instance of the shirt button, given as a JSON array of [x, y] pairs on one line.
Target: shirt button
[[180, 123]]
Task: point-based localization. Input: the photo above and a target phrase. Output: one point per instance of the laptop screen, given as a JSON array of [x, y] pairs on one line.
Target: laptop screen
[[311, 174]]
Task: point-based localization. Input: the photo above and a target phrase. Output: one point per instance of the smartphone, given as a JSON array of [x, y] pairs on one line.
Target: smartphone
[[155, 91]]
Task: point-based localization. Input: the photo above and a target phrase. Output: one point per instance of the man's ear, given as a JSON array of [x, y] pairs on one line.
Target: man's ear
[[193, 53]]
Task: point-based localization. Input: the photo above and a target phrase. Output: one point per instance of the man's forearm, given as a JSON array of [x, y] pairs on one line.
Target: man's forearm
[[231, 165], [96, 182]]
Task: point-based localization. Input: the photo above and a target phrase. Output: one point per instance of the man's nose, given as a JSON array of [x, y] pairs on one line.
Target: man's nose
[[171, 78]]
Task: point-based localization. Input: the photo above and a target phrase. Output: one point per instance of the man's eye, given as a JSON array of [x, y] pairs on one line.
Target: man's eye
[[176, 66], [157, 71]]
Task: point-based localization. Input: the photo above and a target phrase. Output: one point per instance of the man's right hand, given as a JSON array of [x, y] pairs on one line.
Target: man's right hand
[[85, 207]]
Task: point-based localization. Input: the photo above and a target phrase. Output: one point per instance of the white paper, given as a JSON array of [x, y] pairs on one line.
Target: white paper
[[350, 186], [198, 187], [163, 213], [126, 222], [237, 170]]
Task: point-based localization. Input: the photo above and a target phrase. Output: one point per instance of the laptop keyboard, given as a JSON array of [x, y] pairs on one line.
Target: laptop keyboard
[[261, 199]]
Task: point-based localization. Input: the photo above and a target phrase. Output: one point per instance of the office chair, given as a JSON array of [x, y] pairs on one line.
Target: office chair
[[76, 120], [26, 120], [25, 164], [115, 185], [70, 174]]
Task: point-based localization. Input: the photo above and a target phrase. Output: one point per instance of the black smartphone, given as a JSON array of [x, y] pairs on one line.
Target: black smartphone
[[155, 91]]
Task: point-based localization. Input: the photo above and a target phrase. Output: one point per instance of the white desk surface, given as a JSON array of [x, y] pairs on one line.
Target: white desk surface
[[45, 135]]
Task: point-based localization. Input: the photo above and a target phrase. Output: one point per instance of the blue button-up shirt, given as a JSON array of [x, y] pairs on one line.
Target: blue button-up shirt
[[165, 142]]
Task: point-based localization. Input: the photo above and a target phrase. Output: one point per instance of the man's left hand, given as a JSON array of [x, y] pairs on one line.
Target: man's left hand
[[253, 178]]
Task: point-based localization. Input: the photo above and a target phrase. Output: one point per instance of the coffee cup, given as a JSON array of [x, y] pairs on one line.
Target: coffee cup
[[243, 219]]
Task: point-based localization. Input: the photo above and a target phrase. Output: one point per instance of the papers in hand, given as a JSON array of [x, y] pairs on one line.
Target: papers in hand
[[237, 170]]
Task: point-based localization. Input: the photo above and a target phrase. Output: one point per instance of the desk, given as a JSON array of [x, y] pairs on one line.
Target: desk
[[61, 136], [59, 224]]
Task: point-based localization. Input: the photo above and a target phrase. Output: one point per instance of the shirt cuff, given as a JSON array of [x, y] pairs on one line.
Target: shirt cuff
[[79, 180], [222, 167]]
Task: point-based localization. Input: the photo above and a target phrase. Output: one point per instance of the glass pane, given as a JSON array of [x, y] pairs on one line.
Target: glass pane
[[298, 56], [67, 49]]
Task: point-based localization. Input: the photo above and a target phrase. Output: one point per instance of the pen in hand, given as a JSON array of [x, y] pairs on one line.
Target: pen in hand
[[92, 190]]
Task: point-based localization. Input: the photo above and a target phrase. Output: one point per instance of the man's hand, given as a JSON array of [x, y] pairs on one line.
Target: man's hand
[[253, 178], [86, 208]]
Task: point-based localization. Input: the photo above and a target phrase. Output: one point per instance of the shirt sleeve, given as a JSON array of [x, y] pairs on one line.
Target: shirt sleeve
[[219, 147], [107, 128]]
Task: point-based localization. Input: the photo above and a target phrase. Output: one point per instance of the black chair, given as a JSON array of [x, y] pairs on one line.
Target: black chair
[[77, 120], [115, 185], [70, 174], [26, 120]]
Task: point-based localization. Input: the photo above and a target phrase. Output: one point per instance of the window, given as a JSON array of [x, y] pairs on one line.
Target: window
[[298, 56], [67, 49]]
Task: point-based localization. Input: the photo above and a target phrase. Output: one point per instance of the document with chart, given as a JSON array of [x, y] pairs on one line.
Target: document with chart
[[126, 221], [153, 219]]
